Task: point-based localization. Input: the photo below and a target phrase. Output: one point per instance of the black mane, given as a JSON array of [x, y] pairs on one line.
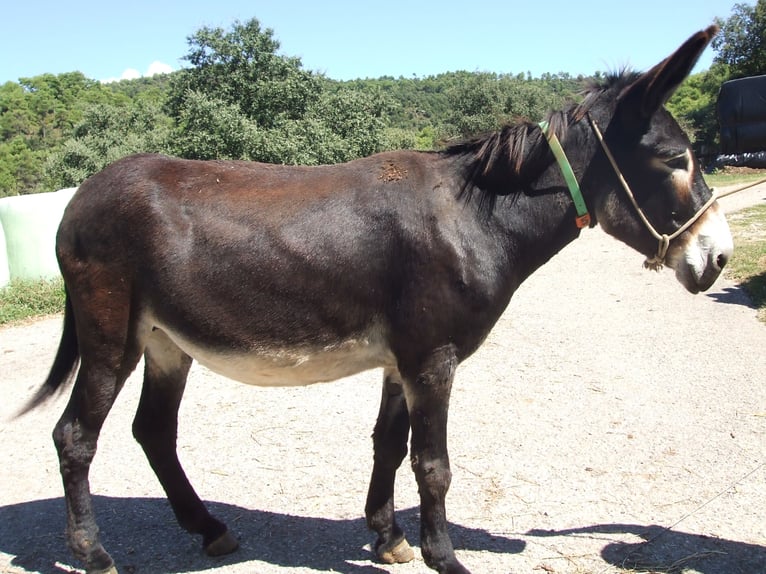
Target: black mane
[[508, 160]]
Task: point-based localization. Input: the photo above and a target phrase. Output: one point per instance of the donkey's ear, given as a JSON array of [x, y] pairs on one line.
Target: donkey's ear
[[653, 88]]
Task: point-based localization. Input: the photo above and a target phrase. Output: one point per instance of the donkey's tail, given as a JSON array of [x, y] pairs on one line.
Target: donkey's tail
[[64, 365]]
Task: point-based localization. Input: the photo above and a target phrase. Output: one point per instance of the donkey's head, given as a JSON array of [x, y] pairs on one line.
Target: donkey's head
[[645, 154]]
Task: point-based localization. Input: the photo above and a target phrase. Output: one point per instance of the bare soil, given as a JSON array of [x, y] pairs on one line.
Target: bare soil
[[741, 170], [611, 423]]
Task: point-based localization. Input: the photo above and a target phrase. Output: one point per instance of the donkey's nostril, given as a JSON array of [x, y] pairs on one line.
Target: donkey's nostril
[[722, 260]]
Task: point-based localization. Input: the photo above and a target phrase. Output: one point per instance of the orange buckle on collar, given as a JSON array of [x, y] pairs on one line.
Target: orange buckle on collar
[[583, 221]]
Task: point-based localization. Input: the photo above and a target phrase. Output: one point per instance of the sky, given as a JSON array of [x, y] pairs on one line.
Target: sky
[[350, 39]]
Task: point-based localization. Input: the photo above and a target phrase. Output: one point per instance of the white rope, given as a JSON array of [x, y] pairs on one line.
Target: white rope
[[741, 188]]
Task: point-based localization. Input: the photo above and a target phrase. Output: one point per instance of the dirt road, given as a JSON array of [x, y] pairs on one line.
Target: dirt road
[[611, 421]]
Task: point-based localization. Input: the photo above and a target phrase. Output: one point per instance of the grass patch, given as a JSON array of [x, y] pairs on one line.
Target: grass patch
[[21, 300], [748, 264], [723, 178]]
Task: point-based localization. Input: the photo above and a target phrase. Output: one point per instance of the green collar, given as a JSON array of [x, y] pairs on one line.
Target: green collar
[[583, 217]]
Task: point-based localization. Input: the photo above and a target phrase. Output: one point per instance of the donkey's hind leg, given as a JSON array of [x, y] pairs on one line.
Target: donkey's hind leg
[[390, 447], [75, 437], [103, 371], [155, 428]]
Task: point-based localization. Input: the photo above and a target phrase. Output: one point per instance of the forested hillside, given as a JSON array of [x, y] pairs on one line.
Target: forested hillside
[[238, 98]]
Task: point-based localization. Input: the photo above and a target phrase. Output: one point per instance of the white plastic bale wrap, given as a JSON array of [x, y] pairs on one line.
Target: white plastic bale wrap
[[29, 224], [5, 274]]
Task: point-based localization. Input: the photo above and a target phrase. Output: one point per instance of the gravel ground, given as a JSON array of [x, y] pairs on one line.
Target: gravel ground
[[612, 422]]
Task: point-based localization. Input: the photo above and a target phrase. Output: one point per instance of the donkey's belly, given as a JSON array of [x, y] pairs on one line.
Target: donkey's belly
[[272, 366]]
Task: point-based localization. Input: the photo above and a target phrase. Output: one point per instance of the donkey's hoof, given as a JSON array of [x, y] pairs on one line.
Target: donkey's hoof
[[399, 554], [224, 544], [111, 570]]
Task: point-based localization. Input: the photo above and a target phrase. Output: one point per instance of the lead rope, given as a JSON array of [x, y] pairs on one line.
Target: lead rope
[[654, 263], [738, 189]]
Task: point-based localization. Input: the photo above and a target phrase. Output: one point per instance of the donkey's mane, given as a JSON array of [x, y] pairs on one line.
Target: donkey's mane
[[507, 161]]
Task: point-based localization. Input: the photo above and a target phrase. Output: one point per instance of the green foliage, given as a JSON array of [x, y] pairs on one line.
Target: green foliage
[[483, 102], [207, 127], [741, 44], [105, 134], [354, 118], [694, 106], [37, 115], [24, 299], [242, 68], [56, 103], [461, 104], [400, 138], [476, 105], [20, 166], [240, 99]]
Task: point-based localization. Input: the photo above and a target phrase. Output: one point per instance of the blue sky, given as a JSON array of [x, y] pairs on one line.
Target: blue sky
[[357, 38]]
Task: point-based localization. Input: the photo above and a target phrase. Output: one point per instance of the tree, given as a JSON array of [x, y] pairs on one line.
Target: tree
[[19, 160], [57, 102], [355, 118], [20, 167], [741, 44], [242, 67], [105, 134], [16, 117], [242, 100], [694, 106], [37, 115], [481, 102], [208, 127], [476, 104]]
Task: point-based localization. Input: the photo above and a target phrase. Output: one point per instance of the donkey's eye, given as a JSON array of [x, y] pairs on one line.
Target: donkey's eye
[[680, 161], [671, 163]]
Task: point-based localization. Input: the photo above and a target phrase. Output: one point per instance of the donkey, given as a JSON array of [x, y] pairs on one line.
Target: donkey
[[279, 275]]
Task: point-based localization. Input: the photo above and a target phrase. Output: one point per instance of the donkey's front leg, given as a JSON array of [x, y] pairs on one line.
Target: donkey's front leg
[[428, 395]]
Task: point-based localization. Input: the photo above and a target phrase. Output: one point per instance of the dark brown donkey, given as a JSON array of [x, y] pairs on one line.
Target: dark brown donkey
[[276, 275]]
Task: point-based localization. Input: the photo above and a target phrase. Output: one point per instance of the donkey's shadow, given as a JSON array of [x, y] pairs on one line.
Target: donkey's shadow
[[142, 536], [671, 551]]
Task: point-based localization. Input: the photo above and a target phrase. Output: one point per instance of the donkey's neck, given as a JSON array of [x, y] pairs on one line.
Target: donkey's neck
[[536, 226], [540, 220]]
